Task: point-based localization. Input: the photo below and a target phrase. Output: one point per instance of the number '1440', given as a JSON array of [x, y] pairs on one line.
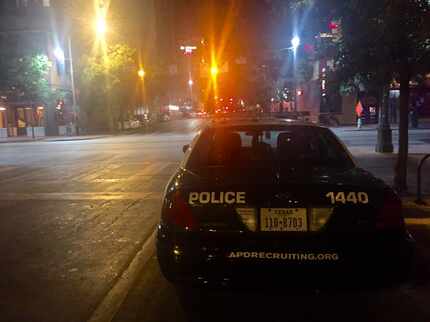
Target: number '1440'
[[345, 197]]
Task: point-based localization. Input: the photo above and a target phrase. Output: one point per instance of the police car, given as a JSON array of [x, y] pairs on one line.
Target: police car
[[269, 200]]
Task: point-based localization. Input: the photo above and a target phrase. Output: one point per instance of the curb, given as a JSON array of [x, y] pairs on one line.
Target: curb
[[21, 141], [47, 139], [109, 306], [75, 139], [413, 210]]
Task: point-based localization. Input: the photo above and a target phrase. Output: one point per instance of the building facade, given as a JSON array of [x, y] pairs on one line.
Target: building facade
[[28, 28]]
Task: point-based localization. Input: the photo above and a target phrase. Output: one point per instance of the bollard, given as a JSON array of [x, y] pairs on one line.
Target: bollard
[[419, 200]]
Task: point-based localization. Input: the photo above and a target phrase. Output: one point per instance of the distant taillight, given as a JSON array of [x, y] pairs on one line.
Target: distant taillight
[[390, 215], [178, 213]]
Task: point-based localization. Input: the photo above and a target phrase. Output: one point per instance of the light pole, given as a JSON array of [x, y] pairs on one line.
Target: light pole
[[141, 73], [75, 107], [188, 51], [385, 138], [295, 43], [60, 56], [190, 84]]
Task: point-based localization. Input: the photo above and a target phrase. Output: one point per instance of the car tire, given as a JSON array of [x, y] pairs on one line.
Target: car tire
[[167, 266]]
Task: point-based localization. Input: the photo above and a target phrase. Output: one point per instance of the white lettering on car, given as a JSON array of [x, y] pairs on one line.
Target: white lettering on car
[[213, 198], [229, 197], [345, 197], [204, 197], [193, 196], [286, 256], [240, 197]]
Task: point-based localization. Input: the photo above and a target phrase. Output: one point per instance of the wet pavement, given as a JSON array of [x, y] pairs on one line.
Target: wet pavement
[[75, 226]]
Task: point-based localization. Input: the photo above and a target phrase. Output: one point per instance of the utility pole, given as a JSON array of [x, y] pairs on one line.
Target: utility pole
[[72, 82]]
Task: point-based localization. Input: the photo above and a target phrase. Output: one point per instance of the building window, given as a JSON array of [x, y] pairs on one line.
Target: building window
[[46, 3]]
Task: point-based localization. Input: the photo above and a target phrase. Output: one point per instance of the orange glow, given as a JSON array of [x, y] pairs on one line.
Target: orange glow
[[216, 41], [214, 71]]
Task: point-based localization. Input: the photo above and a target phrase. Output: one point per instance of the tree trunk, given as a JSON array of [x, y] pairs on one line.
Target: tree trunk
[[401, 168]]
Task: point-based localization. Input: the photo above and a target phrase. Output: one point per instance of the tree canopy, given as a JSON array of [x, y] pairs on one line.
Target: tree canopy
[[380, 40]]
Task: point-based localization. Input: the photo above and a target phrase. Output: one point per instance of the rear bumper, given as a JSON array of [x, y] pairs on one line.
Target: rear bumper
[[237, 258]]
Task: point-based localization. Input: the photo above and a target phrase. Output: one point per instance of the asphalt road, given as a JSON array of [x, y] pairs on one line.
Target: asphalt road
[[76, 243]]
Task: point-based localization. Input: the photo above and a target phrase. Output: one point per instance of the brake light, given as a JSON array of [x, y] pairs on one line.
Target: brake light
[[390, 216], [179, 214]]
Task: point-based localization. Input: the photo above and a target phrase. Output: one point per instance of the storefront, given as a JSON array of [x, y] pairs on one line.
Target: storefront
[[3, 122], [22, 120]]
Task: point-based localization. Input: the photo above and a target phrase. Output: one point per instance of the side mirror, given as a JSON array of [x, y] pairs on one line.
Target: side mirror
[[185, 148]]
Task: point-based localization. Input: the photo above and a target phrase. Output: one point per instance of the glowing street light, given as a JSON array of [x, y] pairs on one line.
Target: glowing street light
[[141, 73], [59, 54], [295, 42], [214, 71], [190, 82], [101, 25]]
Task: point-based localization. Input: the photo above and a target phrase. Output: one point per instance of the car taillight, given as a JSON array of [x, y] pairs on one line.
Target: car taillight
[[179, 214], [390, 215]]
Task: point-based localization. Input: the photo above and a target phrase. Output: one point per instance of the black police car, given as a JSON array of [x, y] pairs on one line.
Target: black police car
[[269, 200]]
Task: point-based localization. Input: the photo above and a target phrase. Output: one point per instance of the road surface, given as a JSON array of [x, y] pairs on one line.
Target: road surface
[[76, 242]]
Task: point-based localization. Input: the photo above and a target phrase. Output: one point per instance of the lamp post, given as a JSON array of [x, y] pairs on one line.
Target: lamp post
[[141, 73], [295, 43], [190, 85], [72, 80], [385, 138], [60, 56]]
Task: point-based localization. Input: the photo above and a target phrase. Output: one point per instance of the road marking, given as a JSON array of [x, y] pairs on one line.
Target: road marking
[[418, 221], [80, 196], [112, 302]]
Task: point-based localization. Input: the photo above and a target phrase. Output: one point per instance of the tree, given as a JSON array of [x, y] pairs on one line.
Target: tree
[[27, 78], [109, 79], [381, 40]]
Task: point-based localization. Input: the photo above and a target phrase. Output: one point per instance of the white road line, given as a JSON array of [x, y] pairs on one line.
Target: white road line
[[112, 302], [80, 196]]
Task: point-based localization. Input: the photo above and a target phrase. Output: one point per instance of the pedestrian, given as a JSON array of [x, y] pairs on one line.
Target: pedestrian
[[359, 114], [414, 107]]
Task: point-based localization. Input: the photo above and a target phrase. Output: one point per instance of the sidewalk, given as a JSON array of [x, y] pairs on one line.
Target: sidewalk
[[382, 166], [423, 126], [51, 138]]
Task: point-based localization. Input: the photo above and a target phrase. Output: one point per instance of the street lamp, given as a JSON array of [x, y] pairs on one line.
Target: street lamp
[[190, 83], [141, 73], [214, 71], [59, 55], [100, 24], [295, 43]]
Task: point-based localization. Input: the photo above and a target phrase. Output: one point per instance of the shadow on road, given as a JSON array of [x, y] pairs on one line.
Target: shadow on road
[[397, 303], [390, 305]]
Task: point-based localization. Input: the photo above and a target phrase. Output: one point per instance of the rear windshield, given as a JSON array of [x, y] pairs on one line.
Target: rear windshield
[[269, 147]]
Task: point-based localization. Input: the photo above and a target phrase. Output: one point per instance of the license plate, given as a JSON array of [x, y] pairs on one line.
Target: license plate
[[283, 219]]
